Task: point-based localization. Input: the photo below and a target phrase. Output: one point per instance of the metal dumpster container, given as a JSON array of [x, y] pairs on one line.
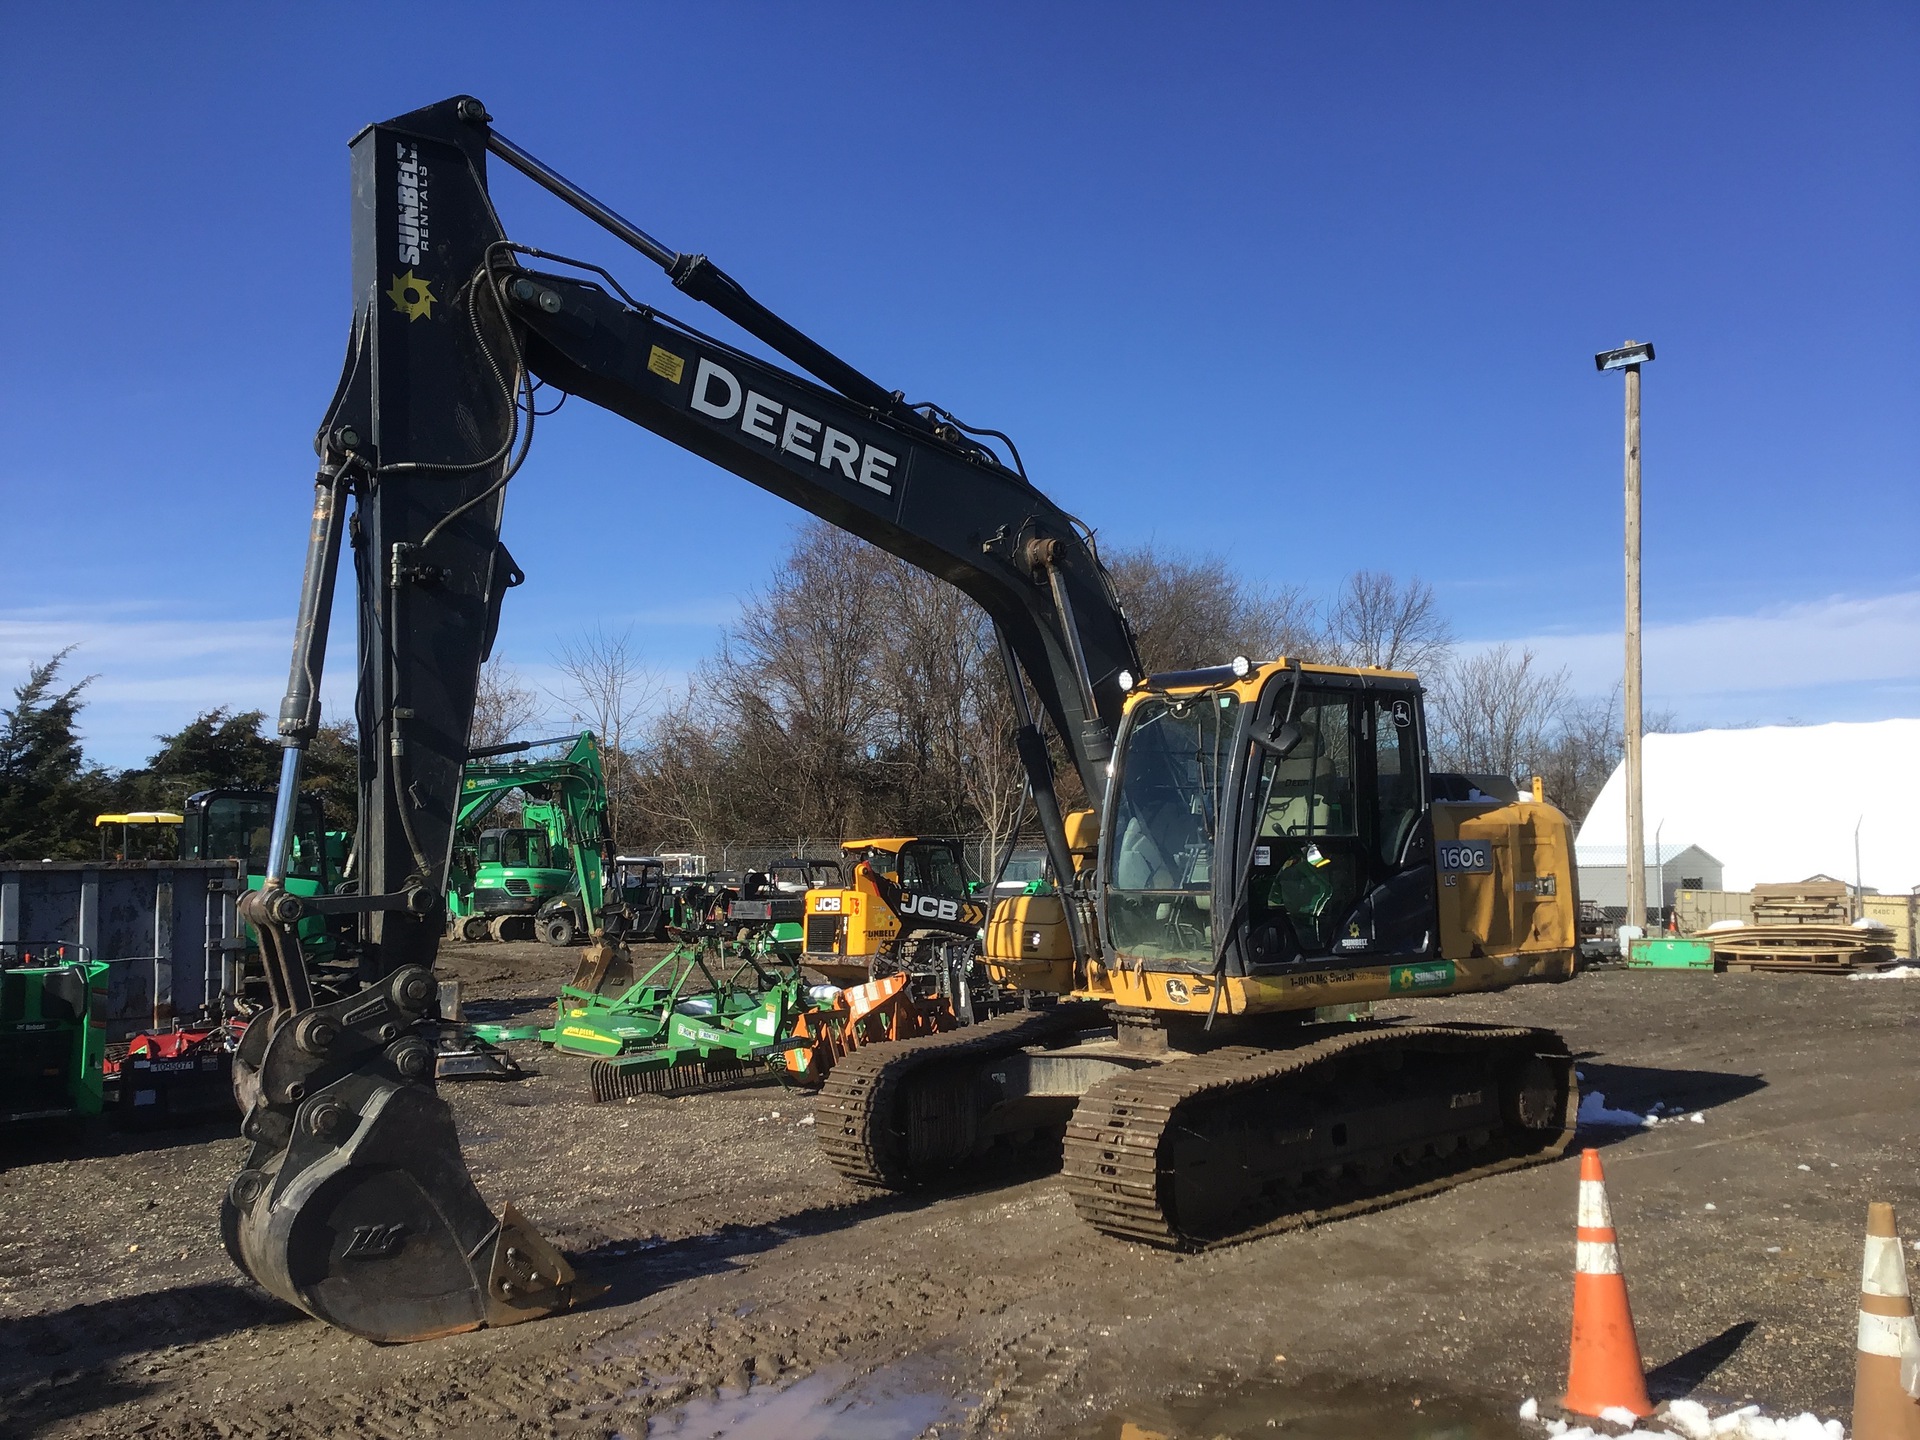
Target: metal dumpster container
[[166, 930], [1689, 953]]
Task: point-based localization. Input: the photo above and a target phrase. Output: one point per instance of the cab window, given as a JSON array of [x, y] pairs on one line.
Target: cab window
[[524, 848], [1311, 790], [1308, 843], [933, 870]]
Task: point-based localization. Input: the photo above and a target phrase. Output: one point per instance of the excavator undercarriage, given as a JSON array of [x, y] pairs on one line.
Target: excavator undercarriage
[[1192, 1149]]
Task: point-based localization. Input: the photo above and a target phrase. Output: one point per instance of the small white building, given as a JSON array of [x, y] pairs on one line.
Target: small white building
[[1777, 802], [1671, 867]]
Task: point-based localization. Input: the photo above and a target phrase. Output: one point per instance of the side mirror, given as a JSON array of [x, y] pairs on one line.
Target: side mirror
[[1282, 742]]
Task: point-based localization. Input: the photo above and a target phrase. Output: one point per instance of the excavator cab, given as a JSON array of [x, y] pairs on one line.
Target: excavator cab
[[1279, 821], [231, 823], [1295, 810]]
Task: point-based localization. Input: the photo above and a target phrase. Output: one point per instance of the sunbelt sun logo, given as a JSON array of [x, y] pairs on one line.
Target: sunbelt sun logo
[[1435, 976]]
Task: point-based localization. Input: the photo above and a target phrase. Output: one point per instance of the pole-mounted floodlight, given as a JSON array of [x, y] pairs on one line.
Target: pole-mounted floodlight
[[1630, 357], [1626, 355]]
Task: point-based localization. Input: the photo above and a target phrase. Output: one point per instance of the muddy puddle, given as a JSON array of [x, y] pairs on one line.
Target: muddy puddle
[[909, 1402], [1306, 1409], [902, 1402]]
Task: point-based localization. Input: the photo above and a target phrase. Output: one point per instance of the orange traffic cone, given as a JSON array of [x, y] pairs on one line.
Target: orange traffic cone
[[1604, 1371], [1884, 1407]]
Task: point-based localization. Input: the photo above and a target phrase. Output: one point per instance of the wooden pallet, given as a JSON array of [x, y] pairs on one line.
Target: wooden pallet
[[1807, 902], [1815, 948]]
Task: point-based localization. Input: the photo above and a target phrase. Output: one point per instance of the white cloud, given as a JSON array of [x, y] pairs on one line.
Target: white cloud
[[153, 675], [1839, 644]]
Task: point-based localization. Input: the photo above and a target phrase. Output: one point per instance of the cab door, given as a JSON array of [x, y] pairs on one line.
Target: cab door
[[1336, 867]]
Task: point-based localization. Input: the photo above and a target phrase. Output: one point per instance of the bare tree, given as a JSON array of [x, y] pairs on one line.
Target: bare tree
[[1188, 612], [795, 687], [948, 714], [609, 689], [1496, 713], [502, 707], [1377, 619]]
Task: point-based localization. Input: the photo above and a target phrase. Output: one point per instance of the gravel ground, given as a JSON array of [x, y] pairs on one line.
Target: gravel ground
[[737, 1258]]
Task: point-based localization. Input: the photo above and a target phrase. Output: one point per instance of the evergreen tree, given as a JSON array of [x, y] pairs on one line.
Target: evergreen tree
[[49, 794], [224, 749], [221, 748]]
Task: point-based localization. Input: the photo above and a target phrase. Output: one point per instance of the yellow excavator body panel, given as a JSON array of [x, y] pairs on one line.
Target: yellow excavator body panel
[[1028, 944]]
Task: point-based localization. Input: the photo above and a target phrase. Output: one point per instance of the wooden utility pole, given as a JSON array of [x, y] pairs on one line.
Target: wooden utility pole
[[1636, 817], [1629, 358]]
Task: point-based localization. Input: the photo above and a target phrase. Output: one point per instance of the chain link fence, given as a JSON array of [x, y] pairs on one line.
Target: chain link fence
[[733, 858]]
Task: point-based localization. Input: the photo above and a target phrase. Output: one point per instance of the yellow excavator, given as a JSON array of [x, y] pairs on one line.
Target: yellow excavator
[[1264, 841]]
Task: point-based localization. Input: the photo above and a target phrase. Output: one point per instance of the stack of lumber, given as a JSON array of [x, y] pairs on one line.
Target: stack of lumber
[[1806, 927]]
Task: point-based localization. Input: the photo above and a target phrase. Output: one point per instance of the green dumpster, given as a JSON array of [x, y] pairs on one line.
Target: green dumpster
[[1671, 954]]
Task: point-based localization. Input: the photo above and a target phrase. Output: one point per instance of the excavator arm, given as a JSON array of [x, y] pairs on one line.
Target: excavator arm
[[355, 1203]]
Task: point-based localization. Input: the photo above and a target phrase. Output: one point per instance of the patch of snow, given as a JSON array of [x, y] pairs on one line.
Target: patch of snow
[[804, 1120], [1719, 925], [1712, 1206], [1898, 972], [1803, 1167], [1867, 922], [1530, 1409], [1594, 1111], [1691, 1420]]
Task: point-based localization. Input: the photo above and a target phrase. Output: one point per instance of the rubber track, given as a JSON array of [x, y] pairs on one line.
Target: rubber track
[[850, 1115], [1112, 1160]]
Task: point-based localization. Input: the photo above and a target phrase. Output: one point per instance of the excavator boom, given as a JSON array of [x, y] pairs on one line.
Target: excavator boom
[[355, 1203]]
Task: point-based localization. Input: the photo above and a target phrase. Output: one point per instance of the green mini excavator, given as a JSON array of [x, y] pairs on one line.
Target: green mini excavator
[[545, 876]]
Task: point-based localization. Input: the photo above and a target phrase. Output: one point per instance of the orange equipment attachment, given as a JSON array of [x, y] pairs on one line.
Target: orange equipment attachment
[[884, 1009]]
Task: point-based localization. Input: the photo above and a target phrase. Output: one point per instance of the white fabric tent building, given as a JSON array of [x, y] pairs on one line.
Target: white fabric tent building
[[1779, 802]]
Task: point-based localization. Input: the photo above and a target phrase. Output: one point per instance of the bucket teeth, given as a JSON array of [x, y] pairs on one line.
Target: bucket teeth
[[528, 1278]]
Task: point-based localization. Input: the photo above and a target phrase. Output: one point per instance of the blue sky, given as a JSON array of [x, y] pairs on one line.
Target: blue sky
[[1311, 287]]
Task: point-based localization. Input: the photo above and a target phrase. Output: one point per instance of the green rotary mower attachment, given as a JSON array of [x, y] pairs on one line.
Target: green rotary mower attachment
[[713, 1013]]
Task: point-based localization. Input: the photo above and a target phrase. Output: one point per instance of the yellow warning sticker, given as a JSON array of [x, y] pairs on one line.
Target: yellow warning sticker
[[668, 367]]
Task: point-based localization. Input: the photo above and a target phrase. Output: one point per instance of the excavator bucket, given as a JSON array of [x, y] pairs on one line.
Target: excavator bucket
[[604, 968], [384, 1234], [355, 1204]]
